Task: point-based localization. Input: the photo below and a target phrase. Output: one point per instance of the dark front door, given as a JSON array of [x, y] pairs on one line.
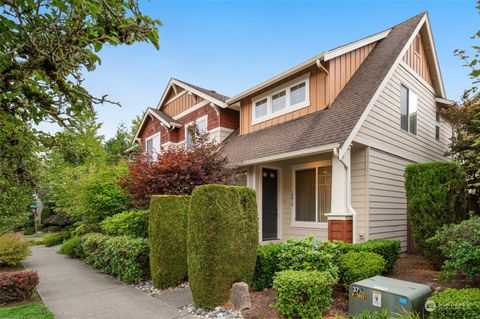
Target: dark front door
[[269, 203]]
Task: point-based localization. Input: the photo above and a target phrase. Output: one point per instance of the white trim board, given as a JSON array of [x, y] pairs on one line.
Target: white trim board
[[379, 90], [355, 45]]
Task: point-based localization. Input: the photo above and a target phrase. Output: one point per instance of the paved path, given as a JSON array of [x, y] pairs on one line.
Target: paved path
[[71, 290]]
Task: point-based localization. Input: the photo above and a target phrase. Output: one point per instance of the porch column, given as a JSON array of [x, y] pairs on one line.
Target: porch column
[[340, 226]]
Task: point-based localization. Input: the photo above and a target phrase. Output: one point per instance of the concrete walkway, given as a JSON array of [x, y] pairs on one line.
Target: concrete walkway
[[71, 290]]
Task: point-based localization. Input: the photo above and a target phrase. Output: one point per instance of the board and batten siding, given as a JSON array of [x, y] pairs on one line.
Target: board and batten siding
[[180, 104], [392, 148], [417, 59]]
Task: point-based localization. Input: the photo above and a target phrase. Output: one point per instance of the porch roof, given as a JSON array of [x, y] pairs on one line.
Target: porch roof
[[334, 124]]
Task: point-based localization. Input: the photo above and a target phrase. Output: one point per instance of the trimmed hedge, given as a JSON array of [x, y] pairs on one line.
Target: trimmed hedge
[[132, 223], [355, 266], [55, 239], [12, 249], [17, 286], [167, 232], [72, 247], [123, 257], [389, 249], [222, 241], [303, 294], [266, 265], [436, 195], [456, 303]]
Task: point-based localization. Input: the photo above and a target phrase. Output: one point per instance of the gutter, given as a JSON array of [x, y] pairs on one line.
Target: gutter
[[347, 166]]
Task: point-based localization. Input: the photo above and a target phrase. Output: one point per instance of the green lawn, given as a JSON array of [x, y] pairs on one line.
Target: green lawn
[[35, 310]]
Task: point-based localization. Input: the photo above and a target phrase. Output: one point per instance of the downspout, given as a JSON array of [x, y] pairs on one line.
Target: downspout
[[336, 153]]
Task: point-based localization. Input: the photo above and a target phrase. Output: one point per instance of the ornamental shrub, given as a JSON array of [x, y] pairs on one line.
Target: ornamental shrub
[[266, 265], [389, 249], [309, 254], [46, 212], [59, 219], [132, 223], [460, 245], [436, 195], [367, 314], [222, 241], [53, 229], [303, 294], [72, 247], [123, 257], [167, 233], [29, 231], [456, 303], [17, 286], [12, 249], [55, 239], [355, 266]]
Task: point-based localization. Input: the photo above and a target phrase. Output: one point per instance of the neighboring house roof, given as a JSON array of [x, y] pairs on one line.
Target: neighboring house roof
[[332, 126]]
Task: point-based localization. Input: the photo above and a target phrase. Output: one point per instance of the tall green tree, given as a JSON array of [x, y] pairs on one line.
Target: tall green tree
[[465, 146], [45, 48], [117, 146]]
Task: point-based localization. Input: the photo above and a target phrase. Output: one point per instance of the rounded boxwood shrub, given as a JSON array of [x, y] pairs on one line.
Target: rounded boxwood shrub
[[455, 303], [222, 241], [12, 249], [132, 223], [17, 285], [389, 249], [167, 232], [436, 195], [303, 294], [72, 247], [355, 266], [266, 265], [55, 239]]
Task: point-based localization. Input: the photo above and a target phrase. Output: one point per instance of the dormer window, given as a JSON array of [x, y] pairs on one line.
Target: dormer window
[[286, 98]]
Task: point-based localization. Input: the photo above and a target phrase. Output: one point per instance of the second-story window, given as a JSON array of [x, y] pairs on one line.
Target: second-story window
[[408, 110], [190, 133], [283, 99], [437, 126], [152, 145]]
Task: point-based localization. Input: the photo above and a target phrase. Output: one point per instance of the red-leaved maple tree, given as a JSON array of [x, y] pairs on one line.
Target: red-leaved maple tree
[[177, 171]]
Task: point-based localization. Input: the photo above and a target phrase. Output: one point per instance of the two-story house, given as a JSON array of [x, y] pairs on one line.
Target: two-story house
[[325, 143], [181, 105]]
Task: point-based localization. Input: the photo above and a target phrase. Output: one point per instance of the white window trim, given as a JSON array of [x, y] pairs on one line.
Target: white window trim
[[316, 165], [438, 124], [151, 137], [288, 108], [407, 131], [201, 118]]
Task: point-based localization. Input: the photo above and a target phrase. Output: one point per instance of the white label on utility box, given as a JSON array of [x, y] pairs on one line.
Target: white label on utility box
[[377, 298]]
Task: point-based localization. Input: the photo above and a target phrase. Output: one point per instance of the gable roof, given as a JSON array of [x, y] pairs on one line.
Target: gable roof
[[332, 126], [165, 119]]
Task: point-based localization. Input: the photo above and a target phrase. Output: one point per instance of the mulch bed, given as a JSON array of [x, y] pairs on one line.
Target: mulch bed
[[409, 267]]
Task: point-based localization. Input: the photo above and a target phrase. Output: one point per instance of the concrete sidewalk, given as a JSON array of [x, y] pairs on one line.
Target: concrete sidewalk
[[71, 290]]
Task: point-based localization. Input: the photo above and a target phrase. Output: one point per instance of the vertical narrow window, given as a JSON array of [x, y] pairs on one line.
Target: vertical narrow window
[[297, 94], [408, 110], [437, 125], [261, 108], [305, 201], [278, 101], [153, 146], [197, 127], [324, 185]]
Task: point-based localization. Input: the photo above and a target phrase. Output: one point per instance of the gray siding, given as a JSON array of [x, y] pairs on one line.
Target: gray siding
[[359, 191]]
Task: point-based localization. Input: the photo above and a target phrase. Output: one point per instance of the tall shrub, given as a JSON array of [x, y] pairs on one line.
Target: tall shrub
[[436, 196], [222, 241], [167, 232], [132, 223], [12, 249]]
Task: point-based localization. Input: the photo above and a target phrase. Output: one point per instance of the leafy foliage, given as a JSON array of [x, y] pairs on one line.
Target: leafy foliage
[[387, 248], [356, 266], [72, 247], [60, 220], [16, 286], [456, 303], [167, 232], [123, 257], [13, 250], [367, 314], [435, 196], [117, 146], [303, 294], [266, 265], [460, 245], [177, 171], [222, 241], [55, 239], [132, 223]]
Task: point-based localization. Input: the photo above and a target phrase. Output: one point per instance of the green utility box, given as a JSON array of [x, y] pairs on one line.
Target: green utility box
[[377, 293]]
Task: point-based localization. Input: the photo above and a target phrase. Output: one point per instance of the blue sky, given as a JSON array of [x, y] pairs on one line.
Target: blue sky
[[230, 46]]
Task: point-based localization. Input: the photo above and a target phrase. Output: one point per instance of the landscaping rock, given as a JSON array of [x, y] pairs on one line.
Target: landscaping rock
[[219, 312], [240, 296]]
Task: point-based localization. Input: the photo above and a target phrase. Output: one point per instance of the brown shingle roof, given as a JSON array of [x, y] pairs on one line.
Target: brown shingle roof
[[164, 116], [332, 125], [211, 93]]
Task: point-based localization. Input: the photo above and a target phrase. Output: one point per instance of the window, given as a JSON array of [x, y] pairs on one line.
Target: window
[[313, 193], [152, 147], [287, 98], [408, 110], [201, 128], [241, 178], [437, 125]]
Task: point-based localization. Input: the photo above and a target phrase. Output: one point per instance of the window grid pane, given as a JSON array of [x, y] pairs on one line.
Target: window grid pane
[[297, 94], [261, 108], [278, 101], [305, 200]]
